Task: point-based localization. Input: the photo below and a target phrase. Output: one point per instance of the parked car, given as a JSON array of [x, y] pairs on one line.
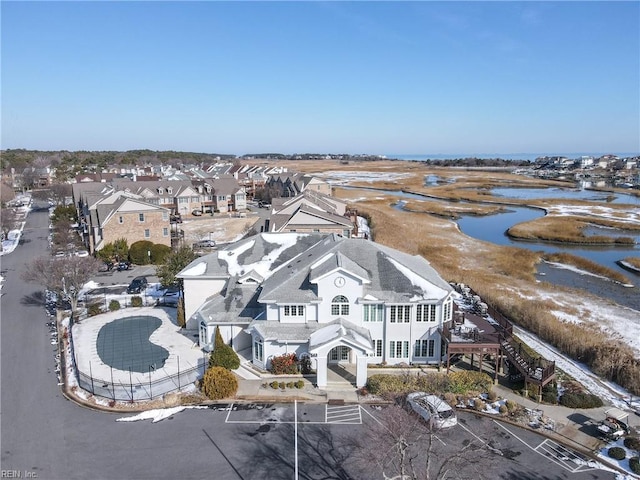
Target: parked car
[[170, 296], [437, 413], [264, 205], [205, 244], [175, 219], [197, 212], [106, 267], [137, 285], [123, 266]]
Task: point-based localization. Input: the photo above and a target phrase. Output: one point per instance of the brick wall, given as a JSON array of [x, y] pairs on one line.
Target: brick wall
[[133, 229]]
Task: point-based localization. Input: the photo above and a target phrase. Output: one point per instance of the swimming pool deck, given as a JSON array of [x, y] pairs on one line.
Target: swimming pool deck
[[183, 352]]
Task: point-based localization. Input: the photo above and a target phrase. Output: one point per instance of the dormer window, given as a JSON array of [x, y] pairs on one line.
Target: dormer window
[[340, 305], [160, 190], [169, 190], [294, 310]]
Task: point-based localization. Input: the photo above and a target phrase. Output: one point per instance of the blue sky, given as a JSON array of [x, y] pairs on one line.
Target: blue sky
[[354, 77]]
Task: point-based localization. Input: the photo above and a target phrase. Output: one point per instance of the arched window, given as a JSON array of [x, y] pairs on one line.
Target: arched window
[[340, 305]]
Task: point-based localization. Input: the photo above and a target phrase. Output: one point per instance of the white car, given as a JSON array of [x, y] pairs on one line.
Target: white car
[[82, 253], [437, 413]]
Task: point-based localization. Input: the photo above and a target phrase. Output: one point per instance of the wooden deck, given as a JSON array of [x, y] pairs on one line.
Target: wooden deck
[[484, 331]]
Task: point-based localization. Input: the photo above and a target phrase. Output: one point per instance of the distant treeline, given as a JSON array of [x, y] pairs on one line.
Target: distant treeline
[[478, 162], [70, 163], [21, 158]]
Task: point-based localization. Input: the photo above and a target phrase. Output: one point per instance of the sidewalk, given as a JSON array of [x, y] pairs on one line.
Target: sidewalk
[[576, 427]]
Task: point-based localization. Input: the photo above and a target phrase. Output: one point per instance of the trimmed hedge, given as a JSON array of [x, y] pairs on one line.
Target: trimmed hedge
[[114, 305], [219, 383], [634, 464], [159, 253], [617, 453], [139, 252], [580, 400]]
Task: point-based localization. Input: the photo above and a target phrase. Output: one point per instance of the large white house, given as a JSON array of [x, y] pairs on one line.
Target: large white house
[[332, 298]]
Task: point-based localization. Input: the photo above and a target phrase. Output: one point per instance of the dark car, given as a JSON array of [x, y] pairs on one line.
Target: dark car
[[137, 285]]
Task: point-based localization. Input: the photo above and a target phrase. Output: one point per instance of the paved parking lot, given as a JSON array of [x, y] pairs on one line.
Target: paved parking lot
[[499, 450]]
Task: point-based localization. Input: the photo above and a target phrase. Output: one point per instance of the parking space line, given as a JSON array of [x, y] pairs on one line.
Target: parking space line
[[349, 414], [567, 458], [552, 452]]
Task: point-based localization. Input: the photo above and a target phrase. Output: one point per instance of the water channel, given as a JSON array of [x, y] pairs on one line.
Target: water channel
[[492, 229]]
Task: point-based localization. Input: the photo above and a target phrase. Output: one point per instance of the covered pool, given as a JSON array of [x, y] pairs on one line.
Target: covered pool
[[124, 344]]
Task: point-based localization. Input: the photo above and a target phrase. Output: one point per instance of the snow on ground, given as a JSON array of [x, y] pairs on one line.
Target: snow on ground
[[157, 415], [630, 215], [346, 177], [608, 391], [623, 464], [582, 272]]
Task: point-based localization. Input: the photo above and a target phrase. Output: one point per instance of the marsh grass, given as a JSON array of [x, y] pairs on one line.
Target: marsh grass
[[569, 229], [586, 265], [633, 261], [453, 211], [500, 275]]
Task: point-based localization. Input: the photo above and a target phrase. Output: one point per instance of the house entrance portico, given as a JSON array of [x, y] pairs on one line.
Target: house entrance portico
[[338, 343]]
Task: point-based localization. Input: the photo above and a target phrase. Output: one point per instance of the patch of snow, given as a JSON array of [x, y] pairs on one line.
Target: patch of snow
[[157, 415], [336, 177], [263, 266], [429, 290]]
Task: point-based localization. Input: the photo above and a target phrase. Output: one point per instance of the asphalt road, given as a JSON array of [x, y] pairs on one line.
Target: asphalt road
[[45, 436]]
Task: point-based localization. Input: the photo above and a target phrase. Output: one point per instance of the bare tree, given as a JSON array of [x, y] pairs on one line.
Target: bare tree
[[8, 220], [60, 192], [6, 192], [65, 276], [400, 445]]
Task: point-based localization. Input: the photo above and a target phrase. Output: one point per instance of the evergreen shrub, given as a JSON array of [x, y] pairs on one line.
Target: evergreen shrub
[[223, 355], [139, 252], [114, 305], [136, 301], [632, 443], [617, 453], [580, 400], [94, 309], [219, 383]]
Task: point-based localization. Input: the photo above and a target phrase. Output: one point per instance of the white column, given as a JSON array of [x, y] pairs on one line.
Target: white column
[[361, 371], [321, 371]]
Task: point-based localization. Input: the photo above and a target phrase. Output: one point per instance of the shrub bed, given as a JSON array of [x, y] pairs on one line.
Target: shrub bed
[[634, 464], [286, 364]]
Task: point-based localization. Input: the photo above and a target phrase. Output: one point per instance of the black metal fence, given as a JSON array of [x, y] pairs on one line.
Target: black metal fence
[[140, 386]]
